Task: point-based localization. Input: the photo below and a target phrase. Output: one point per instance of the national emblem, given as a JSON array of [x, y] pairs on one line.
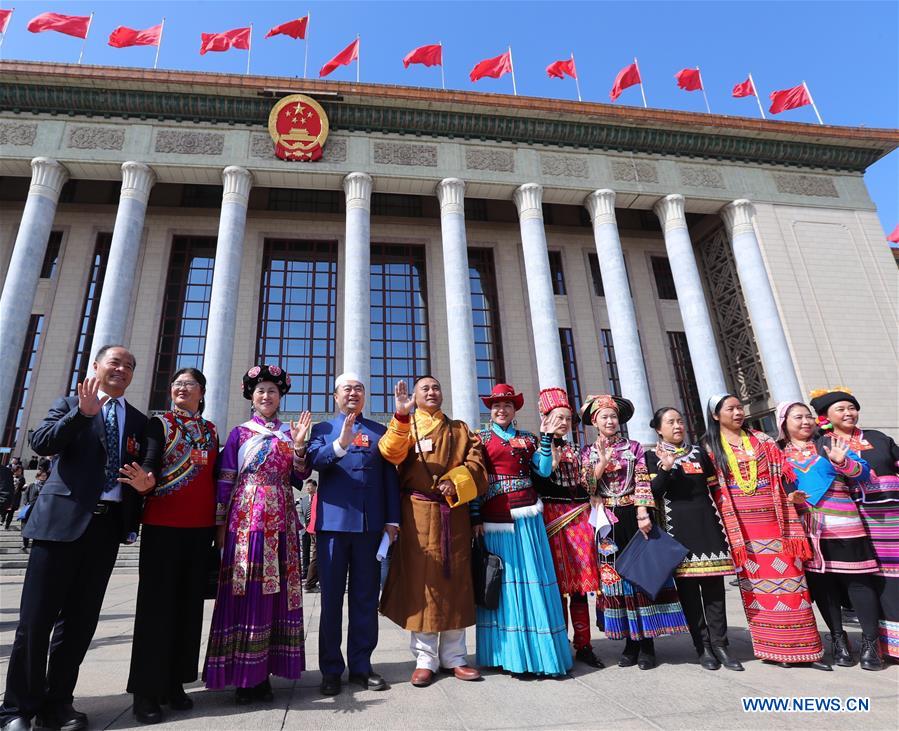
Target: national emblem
[[299, 127]]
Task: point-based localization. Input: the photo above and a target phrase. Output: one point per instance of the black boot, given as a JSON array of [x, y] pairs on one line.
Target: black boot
[[708, 660], [646, 660], [842, 653], [178, 699], [586, 655], [726, 659], [629, 656], [146, 709], [870, 655]]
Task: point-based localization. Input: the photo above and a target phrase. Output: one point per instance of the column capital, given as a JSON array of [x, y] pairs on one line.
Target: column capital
[[137, 181], [738, 217], [529, 200], [451, 194], [601, 206], [47, 178], [237, 182], [357, 187], [671, 212]]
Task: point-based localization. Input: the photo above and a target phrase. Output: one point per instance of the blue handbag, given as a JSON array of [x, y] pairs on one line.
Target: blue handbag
[[649, 563]]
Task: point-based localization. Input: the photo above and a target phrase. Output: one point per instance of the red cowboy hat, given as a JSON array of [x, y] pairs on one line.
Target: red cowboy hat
[[503, 392]]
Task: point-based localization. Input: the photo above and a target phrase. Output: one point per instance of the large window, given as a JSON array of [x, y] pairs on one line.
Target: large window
[[485, 317], [596, 276], [185, 312], [686, 384], [661, 271], [608, 351], [51, 256], [572, 381], [13, 429], [298, 319], [81, 356], [399, 321], [556, 272]]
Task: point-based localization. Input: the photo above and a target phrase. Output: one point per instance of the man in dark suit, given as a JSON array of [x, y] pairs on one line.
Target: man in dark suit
[[358, 502], [90, 503]]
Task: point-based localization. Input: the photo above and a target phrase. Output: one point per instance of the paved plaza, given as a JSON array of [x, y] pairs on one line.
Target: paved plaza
[[676, 695]]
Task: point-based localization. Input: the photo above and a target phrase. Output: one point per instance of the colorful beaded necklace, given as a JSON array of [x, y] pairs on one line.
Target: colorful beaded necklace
[[747, 487]]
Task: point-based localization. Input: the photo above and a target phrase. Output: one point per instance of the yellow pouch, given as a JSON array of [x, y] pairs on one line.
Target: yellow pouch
[[466, 489]]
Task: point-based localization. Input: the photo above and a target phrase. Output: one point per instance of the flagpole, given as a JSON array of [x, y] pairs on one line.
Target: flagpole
[[645, 105], [249, 49], [702, 86], [757, 98], [86, 34], [442, 77], [820, 121], [358, 56], [577, 84], [306, 43], [512, 67], [159, 45]]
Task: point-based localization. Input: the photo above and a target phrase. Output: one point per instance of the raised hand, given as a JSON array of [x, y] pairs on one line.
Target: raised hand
[[556, 423], [666, 458], [546, 424], [346, 432], [838, 449], [299, 429], [403, 400], [605, 456], [89, 401], [133, 474]]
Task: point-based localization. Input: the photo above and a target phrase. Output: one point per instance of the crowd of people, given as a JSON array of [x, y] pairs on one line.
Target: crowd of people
[[810, 517]]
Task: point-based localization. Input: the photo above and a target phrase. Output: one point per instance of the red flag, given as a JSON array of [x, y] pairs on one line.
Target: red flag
[[689, 80], [123, 37], [558, 69], [293, 28], [235, 38], [789, 99], [893, 238], [427, 55], [71, 25], [5, 15], [344, 58], [628, 76], [492, 67], [744, 88]]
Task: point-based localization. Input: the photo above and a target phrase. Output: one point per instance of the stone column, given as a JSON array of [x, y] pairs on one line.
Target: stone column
[[47, 179], [622, 315], [550, 371], [459, 324], [691, 298], [124, 253], [357, 277], [220, 328], [766, 324]]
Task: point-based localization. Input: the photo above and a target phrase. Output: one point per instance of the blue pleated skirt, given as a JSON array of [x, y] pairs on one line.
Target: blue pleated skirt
[[527, 632]]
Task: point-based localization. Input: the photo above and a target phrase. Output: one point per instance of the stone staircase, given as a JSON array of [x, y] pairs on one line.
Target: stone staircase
[[13, 562]]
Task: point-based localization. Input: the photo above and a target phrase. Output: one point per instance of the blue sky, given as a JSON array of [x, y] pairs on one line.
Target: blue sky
[[846, 51]]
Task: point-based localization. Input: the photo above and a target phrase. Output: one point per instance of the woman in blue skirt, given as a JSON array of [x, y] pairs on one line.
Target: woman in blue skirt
[[526, 633]]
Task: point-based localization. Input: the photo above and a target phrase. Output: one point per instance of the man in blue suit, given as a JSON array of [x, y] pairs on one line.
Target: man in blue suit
[[358, 502]]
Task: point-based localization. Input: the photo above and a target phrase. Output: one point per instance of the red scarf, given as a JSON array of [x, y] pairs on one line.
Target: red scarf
[[793, 537]]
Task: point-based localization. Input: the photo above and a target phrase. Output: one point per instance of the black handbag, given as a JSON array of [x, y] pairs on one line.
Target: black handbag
[[487, 575]]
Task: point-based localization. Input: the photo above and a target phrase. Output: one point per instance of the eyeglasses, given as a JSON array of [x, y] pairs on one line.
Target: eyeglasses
[[185, 384]]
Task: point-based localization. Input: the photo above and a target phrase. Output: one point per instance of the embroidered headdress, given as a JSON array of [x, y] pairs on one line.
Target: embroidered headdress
[[258, 374]]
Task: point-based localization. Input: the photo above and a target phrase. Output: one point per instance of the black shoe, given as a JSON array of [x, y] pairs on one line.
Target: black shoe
[[369, 681], [820, 665], [629, 656], [63, 718], [243, 696], [869, 657], [146, 709], [263, 692], [588, 657], [646, 659], [17, 723], [842, 653], [725, 659], [179, 700], [330, 685], [707, 659]]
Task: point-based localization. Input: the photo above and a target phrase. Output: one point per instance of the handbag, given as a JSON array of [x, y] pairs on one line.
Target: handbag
[[487, 574], [23, 512], [649, 563]]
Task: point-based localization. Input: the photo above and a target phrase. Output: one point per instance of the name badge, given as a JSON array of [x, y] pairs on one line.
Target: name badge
[[519, 442], [132, 446], [423, 446], [865, 444], [199, 457], [691, 468], [360, 440]]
